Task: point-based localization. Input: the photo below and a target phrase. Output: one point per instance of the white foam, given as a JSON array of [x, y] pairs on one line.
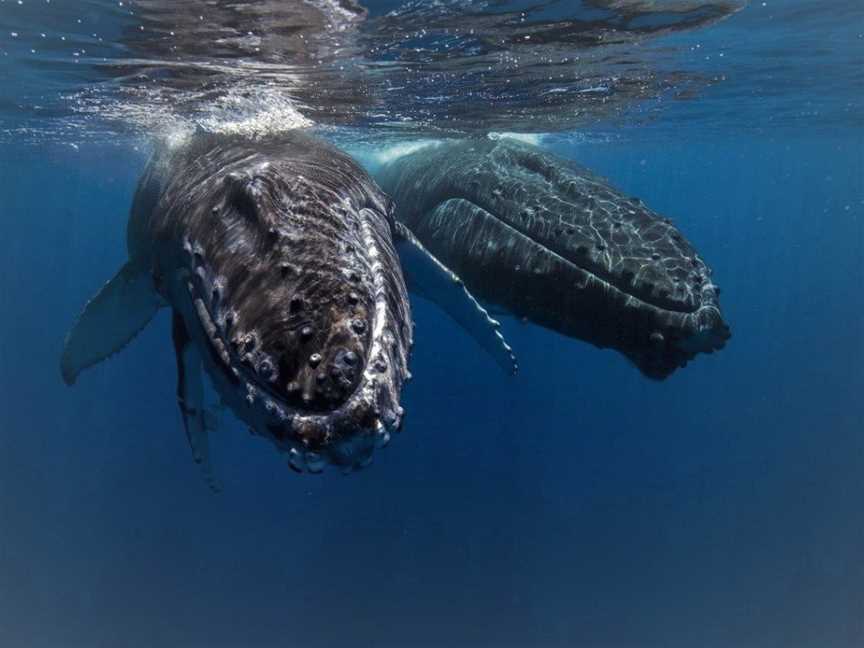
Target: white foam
[[391, 153], [528, 138], [255, 114]]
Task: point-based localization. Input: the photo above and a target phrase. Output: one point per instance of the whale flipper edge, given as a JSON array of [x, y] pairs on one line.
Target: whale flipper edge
[[190, 399], [427, 277], [118, 312]]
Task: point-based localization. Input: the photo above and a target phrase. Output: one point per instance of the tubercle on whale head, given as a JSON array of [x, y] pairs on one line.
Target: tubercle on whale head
[[300, 298]]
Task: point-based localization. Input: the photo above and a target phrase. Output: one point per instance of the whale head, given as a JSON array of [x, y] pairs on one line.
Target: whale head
[[295, 296], [554, 244]]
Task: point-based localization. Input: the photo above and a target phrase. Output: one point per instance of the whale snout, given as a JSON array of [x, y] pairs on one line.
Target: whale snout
[[310, 371], [667, 340], [345, 438], [320, 372]]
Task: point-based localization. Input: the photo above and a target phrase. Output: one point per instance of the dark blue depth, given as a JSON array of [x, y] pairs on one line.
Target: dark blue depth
[[575, 505]]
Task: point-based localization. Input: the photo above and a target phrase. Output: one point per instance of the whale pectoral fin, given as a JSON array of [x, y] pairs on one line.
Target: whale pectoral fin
[[197, 420], [427, 277], [110, 320]]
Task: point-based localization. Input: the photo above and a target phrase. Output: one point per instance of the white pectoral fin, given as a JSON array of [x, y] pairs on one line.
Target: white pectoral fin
[[427, 277], [110, 320], [197, 421]]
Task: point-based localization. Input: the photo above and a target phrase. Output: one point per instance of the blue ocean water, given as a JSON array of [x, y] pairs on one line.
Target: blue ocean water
[[577, 504]]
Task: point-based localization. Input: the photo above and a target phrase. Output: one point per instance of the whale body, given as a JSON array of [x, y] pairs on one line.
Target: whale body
[[548, 241], [281, 263]]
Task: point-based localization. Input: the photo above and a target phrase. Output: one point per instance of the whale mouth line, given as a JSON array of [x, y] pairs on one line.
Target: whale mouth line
[[607, 279], [592, 276], [704, 337], [702, 327]]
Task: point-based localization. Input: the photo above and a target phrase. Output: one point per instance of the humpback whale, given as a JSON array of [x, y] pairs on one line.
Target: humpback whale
[[280, 260], [552, 243]]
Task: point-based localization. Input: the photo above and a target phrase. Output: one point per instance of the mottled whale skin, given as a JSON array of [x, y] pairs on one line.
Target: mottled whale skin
[[279, 262], [551, 242]]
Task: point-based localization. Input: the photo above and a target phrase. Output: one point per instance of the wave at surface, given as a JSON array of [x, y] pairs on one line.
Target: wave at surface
[[95, 69]]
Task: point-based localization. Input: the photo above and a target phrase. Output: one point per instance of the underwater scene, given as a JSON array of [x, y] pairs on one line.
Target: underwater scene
[[446, 323]]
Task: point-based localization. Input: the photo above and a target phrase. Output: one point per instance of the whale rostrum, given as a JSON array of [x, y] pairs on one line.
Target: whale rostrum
[[552, 243], [280, 260]]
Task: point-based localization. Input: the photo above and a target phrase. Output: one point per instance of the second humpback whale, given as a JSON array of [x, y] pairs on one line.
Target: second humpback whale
[[280, 261], [551, 242]]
